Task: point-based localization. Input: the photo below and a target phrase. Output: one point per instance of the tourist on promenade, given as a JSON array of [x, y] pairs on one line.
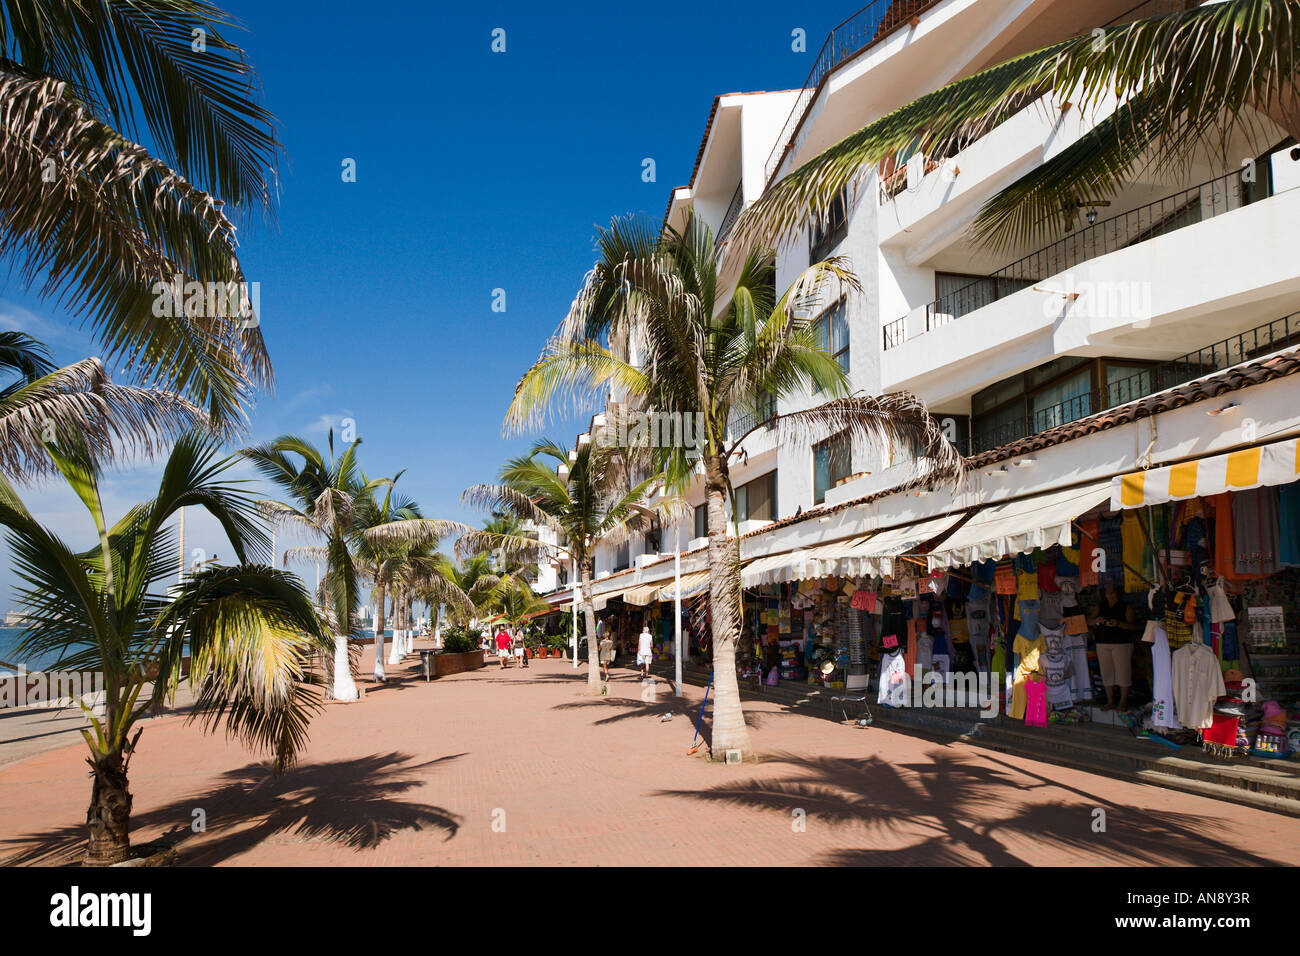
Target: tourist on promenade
[[503, 647], [606, 650], [644, 652]]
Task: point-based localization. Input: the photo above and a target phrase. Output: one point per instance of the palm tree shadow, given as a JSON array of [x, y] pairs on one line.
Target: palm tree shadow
[[959, 803], [354, 803]]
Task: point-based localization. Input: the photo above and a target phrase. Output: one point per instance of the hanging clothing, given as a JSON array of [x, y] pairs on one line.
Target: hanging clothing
[[1256, 531], [1056, 668], [1220, 607], [1089, 546], [1076, 645], [1112, 543], [1135, 552], [1162, 686], [1288, 511], [893, 680], [1225, 564], [1197, 684], [1035, 704], [1030, 666]]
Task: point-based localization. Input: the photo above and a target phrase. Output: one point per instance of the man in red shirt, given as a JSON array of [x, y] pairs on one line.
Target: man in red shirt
[[503, 647]]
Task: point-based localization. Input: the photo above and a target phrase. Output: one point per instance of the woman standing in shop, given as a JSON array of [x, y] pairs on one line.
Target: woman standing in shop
[[1114, 627]]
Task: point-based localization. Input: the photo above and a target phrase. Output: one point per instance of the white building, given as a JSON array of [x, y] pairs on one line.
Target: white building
[[1054, 367]]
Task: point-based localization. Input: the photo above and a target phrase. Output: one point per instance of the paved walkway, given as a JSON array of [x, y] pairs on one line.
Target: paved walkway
[[517, 767]]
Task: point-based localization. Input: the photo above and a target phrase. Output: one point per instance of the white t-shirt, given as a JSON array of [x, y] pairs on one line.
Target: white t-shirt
[[643, 645]]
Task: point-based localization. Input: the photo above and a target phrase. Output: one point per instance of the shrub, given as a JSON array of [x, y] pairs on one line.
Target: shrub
[[457, 640]]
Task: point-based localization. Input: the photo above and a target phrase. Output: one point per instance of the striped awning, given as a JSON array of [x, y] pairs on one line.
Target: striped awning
[[642, 595], [1275, 464], [692, 584], [1016, 527], [875, 556]]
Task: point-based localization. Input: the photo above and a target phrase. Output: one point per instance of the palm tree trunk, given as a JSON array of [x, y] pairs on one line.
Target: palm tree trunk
[[728, 731], [109, 817], [395, 656], [378, 622], [344, 688], [593, 646]]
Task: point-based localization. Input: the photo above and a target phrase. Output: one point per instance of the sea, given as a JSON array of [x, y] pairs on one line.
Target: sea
[[11, 636]]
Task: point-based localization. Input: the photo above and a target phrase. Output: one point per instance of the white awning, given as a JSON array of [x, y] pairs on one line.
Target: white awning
[[1275, 464], [641, 595], [692, 584], [874, 556], [1003, 530], [773, 569]]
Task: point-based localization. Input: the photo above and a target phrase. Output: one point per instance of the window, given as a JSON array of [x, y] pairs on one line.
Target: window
[[832, 460], [1127, 382], [825, 236], [702, 521], [756, 500], [832, 329], [957, 294], [622, 556]]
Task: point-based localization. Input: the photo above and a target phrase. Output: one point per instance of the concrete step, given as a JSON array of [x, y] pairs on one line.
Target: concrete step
[[1266, 785]]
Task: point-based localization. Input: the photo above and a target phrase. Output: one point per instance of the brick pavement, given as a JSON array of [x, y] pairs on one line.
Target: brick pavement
[[519, 768]]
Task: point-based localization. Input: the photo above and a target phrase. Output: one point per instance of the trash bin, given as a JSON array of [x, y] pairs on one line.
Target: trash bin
[[427, 663]]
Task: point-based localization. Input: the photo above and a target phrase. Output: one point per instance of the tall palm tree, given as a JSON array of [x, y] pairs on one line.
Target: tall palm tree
[[709, 352], [1186, 82], [44, 404], [586, 500], [476, 578], [248, 630], [95, 220], [325, 492]]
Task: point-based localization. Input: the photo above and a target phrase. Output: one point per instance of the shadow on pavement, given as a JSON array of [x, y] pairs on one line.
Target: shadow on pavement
[[353, 803], [961, 801]]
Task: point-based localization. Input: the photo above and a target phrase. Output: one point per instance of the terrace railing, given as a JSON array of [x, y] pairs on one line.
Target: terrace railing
[[1184, 208], [732, 214], [1257, 342]]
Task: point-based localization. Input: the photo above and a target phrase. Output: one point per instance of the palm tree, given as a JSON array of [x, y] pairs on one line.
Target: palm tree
[[476, 578], [585, 499], [706, 352], [1186, 83], [419, 571], [328, 502], [95, 221], [378, 560], [248, 630], [44, 404]]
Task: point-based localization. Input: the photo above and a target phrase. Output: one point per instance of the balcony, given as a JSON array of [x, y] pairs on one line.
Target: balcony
[[879, 20], [1185, 208], [732, 214], [1249, 345]]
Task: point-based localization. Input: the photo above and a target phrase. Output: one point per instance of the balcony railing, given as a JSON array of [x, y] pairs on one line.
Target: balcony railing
[[732, 214], [873, 23], [1184, 208], [1263, 340]]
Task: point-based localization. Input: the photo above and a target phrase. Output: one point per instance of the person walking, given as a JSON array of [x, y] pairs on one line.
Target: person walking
[[644, 652], [521, 652], [503, 647], [606, 653]]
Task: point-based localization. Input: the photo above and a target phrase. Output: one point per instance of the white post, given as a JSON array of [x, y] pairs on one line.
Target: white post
[[575, 625], [677, 605], [180, 570]]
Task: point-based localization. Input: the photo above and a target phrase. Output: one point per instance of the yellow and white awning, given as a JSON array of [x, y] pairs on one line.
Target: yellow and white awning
[[641, 595], [694, 583], [999, 531], [1275, 464]]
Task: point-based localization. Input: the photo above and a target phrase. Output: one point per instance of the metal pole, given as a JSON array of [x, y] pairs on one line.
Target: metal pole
[[180, 556], [575, 625], [677, 604]]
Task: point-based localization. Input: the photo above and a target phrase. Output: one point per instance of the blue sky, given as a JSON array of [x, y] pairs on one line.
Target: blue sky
[[475, 171]]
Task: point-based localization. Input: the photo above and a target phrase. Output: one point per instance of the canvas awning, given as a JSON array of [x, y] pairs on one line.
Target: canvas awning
[[875, 556], [641, 595], [1275, 464], [692, 584], [773, 568], [1018, 526]]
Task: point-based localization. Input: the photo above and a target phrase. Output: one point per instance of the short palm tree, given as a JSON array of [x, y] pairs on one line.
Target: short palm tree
[[719, 354], [43, 405], [1185, 81], [476, 578], [247, 631], [585, 499]]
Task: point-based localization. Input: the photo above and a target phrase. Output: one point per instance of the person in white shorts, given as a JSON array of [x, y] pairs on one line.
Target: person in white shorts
[[644, 652]]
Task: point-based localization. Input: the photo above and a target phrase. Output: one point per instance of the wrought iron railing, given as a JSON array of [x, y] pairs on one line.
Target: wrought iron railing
[[895, 332], [1252, 344], [733, 212], [1184, 208]]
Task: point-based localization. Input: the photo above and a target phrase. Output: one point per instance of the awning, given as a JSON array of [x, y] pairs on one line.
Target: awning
[[1275, 464], [773, 569], [1018, 526], [805, 564], [641, 595], [692, 584], [874, 556]]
